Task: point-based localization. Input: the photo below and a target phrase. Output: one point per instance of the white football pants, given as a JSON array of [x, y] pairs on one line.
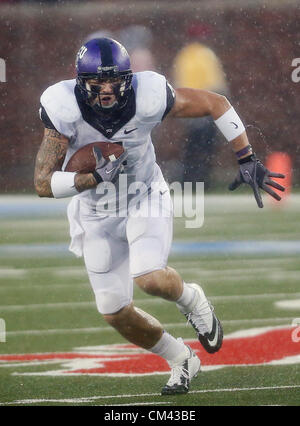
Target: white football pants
[[117, 249]]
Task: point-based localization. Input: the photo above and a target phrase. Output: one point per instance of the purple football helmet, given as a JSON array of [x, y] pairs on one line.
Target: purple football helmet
[[100, 59]]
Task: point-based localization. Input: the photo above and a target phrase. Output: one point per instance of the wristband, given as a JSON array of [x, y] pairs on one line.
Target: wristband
[[230, 125], [243, 151], [97, 177], [250, 157], [63, 184]]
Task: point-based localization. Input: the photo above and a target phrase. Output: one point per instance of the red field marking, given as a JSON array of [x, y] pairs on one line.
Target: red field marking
[[128, 360]]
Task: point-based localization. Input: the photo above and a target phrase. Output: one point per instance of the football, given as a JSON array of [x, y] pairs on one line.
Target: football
[[83, 160]]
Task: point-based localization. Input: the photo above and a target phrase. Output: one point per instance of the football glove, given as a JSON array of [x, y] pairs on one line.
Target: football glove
[[106, 170], [255, 174]]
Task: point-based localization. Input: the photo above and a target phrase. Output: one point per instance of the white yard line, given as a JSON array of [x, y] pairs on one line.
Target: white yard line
[[252, 297], [241, 275], [244, 279], [42, 306], [221, 277], [71, 305], [283, 321], [103, 397], [29, 287], [238, 261], [58, 331], [194, 266], [230, 272], [56, 271], [12, 273], [288, 304]]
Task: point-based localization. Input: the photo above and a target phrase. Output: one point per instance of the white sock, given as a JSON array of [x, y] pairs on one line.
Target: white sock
[[187, 296], [171, 349]]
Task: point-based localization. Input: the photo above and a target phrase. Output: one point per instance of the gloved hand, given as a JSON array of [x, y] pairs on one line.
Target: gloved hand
[[106, 170], [255, 174]]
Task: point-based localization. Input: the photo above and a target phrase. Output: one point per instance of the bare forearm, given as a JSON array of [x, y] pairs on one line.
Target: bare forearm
[[199, 103], [239, 143]]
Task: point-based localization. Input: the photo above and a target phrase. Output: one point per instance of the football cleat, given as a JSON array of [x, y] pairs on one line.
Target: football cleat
[[204, 321], [182, 374]]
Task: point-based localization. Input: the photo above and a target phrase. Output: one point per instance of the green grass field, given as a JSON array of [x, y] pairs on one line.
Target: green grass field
[[48, 308]]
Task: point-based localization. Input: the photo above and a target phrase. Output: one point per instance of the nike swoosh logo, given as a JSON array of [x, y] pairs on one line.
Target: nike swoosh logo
[[129, 131], [235, 125], [247, 174], [109, 171], [212, 338]]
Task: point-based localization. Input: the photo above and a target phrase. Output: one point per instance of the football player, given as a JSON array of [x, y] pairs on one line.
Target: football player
[[107, 102]]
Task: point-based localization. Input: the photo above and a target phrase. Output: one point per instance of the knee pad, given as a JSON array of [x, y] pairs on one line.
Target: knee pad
[[110, 303]]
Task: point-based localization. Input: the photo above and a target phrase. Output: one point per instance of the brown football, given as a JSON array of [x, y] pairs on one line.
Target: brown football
[[83, 160]]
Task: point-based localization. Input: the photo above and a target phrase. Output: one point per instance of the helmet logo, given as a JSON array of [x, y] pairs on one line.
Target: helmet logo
[[82, 51], [105, 69]]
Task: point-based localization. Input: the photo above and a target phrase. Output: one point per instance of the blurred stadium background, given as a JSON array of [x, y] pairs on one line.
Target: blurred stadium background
[[256, 41], [246, 258]]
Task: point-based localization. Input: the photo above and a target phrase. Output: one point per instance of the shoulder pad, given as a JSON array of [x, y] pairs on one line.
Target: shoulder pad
[[60, 102], [150, 95]]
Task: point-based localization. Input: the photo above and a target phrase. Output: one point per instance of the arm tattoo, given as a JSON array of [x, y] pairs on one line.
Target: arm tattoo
[[49, 159], [84, 181]]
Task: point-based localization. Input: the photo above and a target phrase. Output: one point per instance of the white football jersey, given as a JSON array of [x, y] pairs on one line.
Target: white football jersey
[[152, 102]]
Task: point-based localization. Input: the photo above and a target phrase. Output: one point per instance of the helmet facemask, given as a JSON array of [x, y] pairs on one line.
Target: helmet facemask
[[90, 86]]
